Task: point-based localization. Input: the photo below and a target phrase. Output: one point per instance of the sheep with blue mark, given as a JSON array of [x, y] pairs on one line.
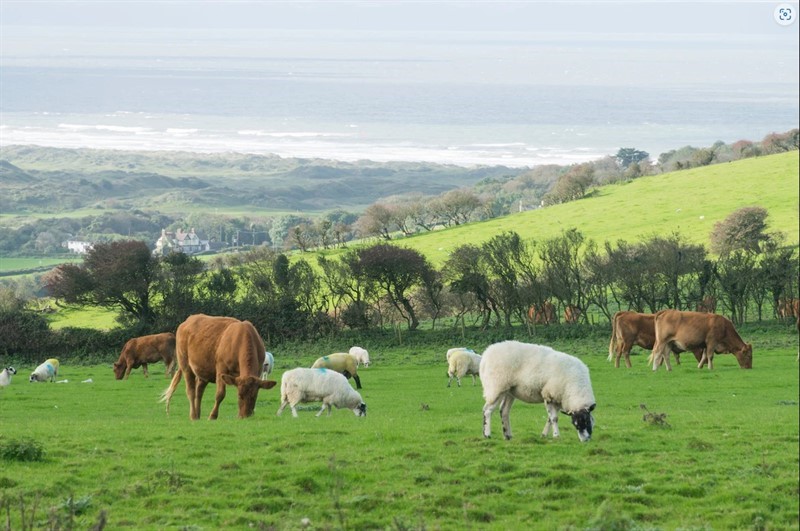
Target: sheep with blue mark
[[536, 374], [342, 363], [47, 371], [462, 362], [312, 385]]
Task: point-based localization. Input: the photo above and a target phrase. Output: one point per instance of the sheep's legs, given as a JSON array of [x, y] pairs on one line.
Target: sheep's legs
[[505, 410], [552, 420], [449, 379], [323, 408], [488, 409]]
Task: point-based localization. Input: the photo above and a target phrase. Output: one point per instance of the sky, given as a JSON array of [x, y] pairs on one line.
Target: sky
[[729, 17]]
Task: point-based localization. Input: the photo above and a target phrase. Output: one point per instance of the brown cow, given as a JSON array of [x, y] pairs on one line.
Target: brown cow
[[632, 328], [678, 330], [544, 314], [140, 351], [707, 305], [788, 309], [220, 350], [572, 314]]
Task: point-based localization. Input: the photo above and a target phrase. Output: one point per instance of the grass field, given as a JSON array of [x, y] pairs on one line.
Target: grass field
[[724, 457]]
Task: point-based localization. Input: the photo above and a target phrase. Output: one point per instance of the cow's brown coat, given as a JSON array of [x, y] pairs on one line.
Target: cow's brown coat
[[220, 350], [139, 351], [679, 330], [633, 328]]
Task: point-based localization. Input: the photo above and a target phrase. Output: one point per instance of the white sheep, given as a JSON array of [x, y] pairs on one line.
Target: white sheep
[[535, 374], [311, 385], [269, 364], [5, 376], [47, 371], [462, 362], [361, 355], [341, 362]]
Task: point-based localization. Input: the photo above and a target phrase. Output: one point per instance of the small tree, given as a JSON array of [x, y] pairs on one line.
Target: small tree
[[741, 230], [627, 156]]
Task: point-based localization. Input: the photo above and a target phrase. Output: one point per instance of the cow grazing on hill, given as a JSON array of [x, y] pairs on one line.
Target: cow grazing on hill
[[220, 350], [678, 330], [788, 309], [139, 351], [572, 314], [707, 305], [542, 314], [632, 328]]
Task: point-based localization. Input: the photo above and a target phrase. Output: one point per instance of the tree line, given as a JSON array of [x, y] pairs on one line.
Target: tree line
[[385, 286]]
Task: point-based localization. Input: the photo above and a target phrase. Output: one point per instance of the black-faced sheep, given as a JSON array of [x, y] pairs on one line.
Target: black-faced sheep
[[312, 385], [5, 376], [46, 371], [342, 363], [535, 374], [462, 362]]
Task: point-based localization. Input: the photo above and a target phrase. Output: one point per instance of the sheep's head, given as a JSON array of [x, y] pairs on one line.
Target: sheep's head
[[583, 422], [360, 410]]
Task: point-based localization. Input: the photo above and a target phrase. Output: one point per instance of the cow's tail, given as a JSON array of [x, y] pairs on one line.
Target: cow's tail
[[612, 345], [166, 396]]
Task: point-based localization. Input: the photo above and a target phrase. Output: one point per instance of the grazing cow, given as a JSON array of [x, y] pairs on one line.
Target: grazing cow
[[678, 330], [543, 314], [139, 351], [707, 305], [220, 350], [632, 328], [572, 314], [788, 309]]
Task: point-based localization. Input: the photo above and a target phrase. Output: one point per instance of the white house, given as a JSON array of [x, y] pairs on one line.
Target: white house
[[78, 247], [179, 241]]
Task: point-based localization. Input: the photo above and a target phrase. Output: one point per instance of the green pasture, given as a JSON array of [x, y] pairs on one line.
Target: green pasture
[[688, 202], [24, 263], [712, 450]]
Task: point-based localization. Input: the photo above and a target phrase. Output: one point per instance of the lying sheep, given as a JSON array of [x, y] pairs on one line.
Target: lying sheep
[[46, 371], [269, 364], [310, 385], [534, 374], [462, 362], [5, 376], [340, 362], [361, 355]]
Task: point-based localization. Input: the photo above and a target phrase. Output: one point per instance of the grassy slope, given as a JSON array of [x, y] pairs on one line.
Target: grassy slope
[[728, 460], [689, 202]]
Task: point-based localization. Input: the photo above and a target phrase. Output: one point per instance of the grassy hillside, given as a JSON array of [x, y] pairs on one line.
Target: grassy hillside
[[689, 202]]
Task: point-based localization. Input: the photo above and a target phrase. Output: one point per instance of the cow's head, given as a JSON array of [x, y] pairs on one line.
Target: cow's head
[[360, 410], [248, 387], [583, 422], [745, 356], [119, 369]]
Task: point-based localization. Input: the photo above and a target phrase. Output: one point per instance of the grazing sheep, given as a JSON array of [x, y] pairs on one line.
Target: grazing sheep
[[535, 374], [462, 362], [361, 355], [340, 362], [269, 364], [457, 349], [310, 385], [46, 371], [5, 376]]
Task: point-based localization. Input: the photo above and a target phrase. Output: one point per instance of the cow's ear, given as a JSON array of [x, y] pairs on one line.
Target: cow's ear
[[267, 384], [228, 379]]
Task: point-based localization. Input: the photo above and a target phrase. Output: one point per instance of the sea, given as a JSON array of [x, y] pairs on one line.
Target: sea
[[516, 100]]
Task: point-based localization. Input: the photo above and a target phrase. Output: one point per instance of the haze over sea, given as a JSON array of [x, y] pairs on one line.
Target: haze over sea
[[517, 98]]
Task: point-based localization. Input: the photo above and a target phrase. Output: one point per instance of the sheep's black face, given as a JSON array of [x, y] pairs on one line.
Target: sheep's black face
[[361, 410], [583, 422]]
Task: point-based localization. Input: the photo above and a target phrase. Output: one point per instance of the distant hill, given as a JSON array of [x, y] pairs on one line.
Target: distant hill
[[55, 180], [688, 202]]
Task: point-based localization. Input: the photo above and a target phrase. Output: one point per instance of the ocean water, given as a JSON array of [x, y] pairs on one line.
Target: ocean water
[[458, 100]]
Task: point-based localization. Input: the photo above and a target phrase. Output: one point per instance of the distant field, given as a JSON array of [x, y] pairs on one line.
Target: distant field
[[688, 202], [719, 451], [16, 264]]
